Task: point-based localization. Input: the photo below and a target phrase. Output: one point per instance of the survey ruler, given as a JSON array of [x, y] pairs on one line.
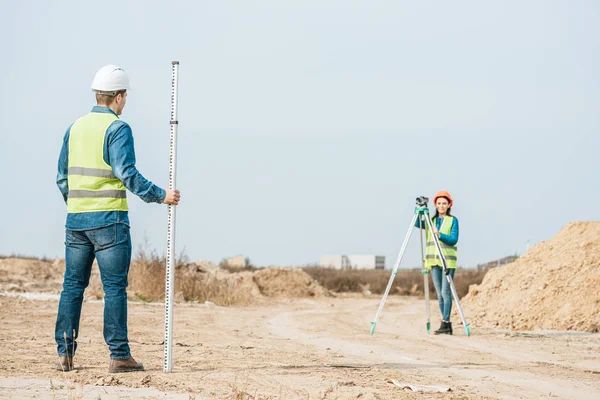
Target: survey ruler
[[170, 260]]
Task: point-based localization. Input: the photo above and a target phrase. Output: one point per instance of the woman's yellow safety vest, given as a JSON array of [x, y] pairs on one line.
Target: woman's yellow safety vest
[[431, 254], [92, 185]]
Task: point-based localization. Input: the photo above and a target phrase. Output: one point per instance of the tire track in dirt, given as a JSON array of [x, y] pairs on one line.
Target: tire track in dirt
[[491, 365]]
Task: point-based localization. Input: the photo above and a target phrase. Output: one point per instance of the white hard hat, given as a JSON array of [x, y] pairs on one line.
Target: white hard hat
[[110, 79]]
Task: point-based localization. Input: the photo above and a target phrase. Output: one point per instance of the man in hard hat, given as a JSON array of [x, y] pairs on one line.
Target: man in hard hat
[[95, 169]]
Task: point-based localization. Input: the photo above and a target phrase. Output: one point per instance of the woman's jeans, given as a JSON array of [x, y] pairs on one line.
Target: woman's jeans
[[111, 246], [442, 288]]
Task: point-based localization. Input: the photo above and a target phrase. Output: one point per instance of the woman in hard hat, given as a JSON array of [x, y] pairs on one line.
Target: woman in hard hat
[[445, 228]]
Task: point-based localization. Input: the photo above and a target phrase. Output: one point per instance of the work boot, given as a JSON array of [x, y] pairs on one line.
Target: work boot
[[64, 363], [442, 327], [127, 365], [445, 329]]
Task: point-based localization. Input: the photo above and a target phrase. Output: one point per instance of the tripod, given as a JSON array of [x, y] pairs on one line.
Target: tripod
[[422, 214]]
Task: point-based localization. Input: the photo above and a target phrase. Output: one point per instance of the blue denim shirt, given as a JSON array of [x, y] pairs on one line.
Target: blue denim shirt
[[119, 153], [450, 239]]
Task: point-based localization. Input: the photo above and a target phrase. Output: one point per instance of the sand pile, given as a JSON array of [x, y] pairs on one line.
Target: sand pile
[[269, 282], [279, 282], [555, 285], [201, 279], [209, 274], [31, 275]]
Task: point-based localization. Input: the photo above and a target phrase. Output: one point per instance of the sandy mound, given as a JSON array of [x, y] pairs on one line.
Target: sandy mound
[[278, 282], [201, 279], [555, 285], [31, 275], [269, 282]]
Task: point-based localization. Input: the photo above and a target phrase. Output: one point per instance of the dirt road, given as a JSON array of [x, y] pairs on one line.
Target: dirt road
[[294, 349]]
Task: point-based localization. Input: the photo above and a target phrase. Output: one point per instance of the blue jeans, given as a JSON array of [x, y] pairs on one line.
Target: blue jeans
[[111, 246], [442, 288]]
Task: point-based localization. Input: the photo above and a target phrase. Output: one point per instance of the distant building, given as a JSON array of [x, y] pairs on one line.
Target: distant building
[[236, 262], [498, 262], [352, 262]]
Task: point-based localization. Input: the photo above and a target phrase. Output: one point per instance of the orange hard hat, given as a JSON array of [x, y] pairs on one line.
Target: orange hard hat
[[445, 194]]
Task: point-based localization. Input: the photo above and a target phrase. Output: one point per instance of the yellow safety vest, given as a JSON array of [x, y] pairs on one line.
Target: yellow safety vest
[[431, 255], [92, 185]]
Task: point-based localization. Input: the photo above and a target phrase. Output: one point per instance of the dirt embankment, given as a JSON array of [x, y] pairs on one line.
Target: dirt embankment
[[199, 281], [555, 285]]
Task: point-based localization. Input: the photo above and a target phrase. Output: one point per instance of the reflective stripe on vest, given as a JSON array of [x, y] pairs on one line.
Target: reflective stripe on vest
[[450, 252], [92, 184], [81, 194], [91, 172]]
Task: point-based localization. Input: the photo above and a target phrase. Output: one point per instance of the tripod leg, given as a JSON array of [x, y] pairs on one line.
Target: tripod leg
[[458, 306], [449, 278], [394, 272], [425, 273]]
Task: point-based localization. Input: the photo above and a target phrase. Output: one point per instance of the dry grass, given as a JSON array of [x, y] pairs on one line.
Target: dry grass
[[210, 288], [25, 257], [406, 282], [467, 277], [147, 282], [224, 264], [245, 393], [147, 276], [74, 391]]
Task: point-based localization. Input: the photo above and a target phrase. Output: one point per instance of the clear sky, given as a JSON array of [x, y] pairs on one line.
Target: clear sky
[[309, 127]]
